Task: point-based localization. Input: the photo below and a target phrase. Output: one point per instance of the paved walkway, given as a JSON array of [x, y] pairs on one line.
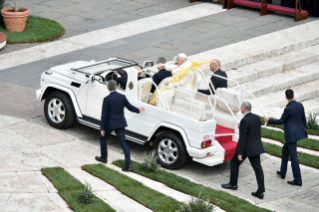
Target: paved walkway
[[27, 146], [28, 143]]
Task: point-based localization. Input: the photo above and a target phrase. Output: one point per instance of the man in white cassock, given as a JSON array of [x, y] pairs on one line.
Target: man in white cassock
[[181, 62]]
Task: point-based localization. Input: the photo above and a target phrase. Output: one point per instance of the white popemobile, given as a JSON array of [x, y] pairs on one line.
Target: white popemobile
[[182, 124]]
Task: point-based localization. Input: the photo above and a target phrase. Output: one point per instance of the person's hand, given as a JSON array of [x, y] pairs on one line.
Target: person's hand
[[116, 74], [160, 66], [240, 157], [103, 133], [142, 109], [238, 124], [266, 119]]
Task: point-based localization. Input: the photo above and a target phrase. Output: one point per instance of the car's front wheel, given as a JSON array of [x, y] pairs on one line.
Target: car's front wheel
[[59, 111], [170, 150]]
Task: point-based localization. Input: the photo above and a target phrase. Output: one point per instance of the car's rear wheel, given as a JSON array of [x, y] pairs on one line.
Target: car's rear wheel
[[170, 150], [59, 111]]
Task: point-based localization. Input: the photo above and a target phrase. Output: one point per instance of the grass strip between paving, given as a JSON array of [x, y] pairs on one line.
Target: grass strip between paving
[[303, 158], [37, 29], [307, 143], [222, 199], [69, 189], [310, 132], [134, 189]]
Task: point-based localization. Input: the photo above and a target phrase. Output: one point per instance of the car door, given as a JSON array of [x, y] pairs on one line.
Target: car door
[[96, 93]]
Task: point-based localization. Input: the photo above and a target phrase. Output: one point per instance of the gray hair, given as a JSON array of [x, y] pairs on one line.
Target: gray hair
[[111, 85], [247, 106], [161, 60]]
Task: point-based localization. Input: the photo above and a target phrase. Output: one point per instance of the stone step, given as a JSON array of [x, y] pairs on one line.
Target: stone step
[[281, 81], [302, 93], [312, 105], [269, 67], [258, 49]]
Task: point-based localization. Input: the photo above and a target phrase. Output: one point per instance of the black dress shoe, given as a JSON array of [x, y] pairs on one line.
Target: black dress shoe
[[102, 160], [294, 183], [279, 173], [127, 169], [258, 195], [229, 186]]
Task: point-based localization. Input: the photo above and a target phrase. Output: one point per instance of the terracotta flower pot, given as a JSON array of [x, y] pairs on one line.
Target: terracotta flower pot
[[15, 21], [3, 40]]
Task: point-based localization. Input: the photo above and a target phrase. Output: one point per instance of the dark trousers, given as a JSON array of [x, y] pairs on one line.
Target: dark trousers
[[290, 149], [121, 137], [255, 163]]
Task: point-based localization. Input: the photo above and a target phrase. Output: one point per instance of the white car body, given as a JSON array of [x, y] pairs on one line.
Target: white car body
[[81, 81]]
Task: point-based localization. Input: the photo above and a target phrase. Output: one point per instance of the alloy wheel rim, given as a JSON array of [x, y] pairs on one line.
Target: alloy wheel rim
[[167, 151], [56, 110]]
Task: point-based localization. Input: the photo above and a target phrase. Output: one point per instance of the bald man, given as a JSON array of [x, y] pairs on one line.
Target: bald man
[[216, 81]]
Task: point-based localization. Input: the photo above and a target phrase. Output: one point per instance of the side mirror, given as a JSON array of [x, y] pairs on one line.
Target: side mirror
[[99, 79], [148, 64], [92, 78]]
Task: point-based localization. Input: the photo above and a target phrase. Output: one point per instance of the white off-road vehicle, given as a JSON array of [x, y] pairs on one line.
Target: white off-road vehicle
[[183, 124]]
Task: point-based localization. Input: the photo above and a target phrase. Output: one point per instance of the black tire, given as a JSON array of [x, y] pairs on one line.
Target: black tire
[[69, 117], [176, 141]]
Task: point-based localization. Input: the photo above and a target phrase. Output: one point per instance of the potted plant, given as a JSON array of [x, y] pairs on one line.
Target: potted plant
[[15, 17], [3, 37]]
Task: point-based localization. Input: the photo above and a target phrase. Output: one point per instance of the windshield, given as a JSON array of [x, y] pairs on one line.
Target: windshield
[[101, 67]]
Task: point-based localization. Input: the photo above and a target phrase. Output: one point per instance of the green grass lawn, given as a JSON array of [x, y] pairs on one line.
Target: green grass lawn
[[307, 143], [69, 189], [303, 158], [222, 199], [152, 199], [37, 29]]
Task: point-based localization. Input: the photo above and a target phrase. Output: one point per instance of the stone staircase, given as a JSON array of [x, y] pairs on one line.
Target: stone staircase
[[268, 80], [268, 65]]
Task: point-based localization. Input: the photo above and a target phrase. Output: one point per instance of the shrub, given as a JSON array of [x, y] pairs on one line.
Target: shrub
[[86, 195], [312, 122], [196, 205], [150, 162]]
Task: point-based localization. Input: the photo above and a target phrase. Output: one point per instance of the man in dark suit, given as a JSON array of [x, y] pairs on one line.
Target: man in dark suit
[[123, 79], [216, 81], [161, 74], [294, 120], [113, 119], [249, 145]]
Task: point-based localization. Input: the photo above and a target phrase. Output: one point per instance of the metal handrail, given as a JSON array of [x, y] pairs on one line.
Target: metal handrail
[[209, 82], [209, 98], [158, 93], [239, 88], [191, 107], [225, 134], [228, 79]]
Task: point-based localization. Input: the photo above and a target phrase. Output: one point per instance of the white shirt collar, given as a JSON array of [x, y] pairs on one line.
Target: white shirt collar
[[246, 114]]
